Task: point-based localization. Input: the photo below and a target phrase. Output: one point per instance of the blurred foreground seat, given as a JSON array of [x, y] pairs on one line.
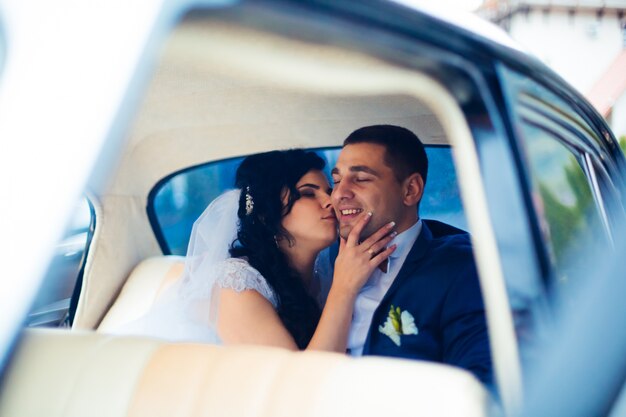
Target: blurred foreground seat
[[63, 373]]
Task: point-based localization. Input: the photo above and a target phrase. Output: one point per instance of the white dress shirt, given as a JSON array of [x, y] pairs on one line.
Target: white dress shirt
[[375, 289]]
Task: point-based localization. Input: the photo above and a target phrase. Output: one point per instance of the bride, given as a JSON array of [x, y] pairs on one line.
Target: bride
[[250, 273]]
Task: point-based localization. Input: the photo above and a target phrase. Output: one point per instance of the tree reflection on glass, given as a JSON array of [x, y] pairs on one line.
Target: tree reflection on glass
[[564, 203]]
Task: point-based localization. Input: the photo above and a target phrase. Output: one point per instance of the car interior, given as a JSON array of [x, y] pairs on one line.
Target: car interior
[[224, 88]]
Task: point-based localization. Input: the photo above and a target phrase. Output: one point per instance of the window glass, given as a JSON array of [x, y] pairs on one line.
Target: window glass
[[569, 219], [180, 200], [3, 47], [565, 159], [52, 303]]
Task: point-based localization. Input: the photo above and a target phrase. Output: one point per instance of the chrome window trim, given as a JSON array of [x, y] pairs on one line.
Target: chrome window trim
[[597, 195]]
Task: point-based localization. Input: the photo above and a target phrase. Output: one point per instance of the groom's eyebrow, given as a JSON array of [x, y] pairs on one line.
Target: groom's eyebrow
[[363, 168], [357, 168]]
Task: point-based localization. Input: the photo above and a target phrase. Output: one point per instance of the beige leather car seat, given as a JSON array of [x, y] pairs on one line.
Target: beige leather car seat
[[143, 287], [58, 373], [95, 374]]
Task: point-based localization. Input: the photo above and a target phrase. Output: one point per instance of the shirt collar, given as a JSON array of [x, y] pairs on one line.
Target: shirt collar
[[404, 242]]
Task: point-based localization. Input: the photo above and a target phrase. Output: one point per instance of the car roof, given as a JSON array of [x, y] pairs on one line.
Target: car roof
[[472, 24]]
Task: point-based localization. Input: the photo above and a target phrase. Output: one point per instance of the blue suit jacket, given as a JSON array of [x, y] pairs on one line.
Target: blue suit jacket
[[438, 285]]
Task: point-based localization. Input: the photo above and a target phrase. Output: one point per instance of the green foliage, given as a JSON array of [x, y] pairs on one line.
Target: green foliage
[[580, 186], [563, 220], [570, 226], [622, 143]]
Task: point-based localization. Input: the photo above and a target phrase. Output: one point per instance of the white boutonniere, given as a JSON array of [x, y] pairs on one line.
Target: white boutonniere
[[398, 323]]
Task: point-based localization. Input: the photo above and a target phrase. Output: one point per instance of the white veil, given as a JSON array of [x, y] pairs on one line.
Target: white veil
[[211, 237], [187, 310]]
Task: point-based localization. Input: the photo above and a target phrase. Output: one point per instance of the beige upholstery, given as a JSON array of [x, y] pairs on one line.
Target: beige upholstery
[[60, 373], [143, 286]]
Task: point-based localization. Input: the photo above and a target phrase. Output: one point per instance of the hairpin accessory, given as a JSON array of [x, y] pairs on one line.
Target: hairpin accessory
[[249, 202]]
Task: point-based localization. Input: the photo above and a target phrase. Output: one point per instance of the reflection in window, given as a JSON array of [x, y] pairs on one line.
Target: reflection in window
[[567, 213], [180, 200], [51, 306], [3, 49]]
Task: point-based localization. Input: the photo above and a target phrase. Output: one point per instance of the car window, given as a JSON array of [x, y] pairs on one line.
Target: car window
[[568, 174], [51, 307], [569, 218], [177, 201], [3, 47], [2, 52]]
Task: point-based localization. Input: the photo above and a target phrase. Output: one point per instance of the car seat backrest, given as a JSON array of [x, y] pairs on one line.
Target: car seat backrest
[[60, 373], [143, 287]]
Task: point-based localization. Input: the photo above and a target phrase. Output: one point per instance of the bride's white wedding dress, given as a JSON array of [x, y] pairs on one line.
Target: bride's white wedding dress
[[187, 311]]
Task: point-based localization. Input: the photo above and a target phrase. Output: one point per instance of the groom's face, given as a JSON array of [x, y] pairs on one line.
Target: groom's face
[[364, 182]]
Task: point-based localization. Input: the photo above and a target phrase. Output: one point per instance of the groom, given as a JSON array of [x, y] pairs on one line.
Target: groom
[[425, 302]]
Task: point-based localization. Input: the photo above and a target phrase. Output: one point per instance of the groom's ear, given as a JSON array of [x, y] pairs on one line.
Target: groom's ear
[[413, 189]]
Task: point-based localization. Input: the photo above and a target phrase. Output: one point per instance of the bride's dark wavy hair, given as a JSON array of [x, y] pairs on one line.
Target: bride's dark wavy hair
[[266, 177]]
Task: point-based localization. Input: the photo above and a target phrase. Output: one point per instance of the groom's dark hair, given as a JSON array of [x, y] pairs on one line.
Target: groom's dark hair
[[404, 151]]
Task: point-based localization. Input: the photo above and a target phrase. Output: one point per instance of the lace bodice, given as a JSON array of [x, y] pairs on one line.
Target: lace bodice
[[237, 274]]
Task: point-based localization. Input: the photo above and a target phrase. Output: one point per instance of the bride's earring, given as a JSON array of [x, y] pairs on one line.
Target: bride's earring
[[276, 241]]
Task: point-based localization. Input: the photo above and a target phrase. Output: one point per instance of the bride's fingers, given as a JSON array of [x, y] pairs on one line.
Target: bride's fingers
[[355, 233], [380, 245], [376, 260], [378, 235]]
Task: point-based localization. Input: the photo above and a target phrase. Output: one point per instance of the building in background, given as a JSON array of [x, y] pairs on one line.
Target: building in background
[[582, 40]]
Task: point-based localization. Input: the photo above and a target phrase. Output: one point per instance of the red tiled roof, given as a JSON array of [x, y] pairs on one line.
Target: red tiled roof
[[610, 86]]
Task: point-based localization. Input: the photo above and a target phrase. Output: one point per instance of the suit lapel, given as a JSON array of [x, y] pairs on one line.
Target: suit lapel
[[417, 252]]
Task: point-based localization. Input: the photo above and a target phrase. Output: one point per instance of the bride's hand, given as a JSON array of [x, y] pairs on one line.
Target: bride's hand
[[355, 262]]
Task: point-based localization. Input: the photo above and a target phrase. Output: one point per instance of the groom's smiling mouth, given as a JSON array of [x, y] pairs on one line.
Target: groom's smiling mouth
[[350, 213]]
